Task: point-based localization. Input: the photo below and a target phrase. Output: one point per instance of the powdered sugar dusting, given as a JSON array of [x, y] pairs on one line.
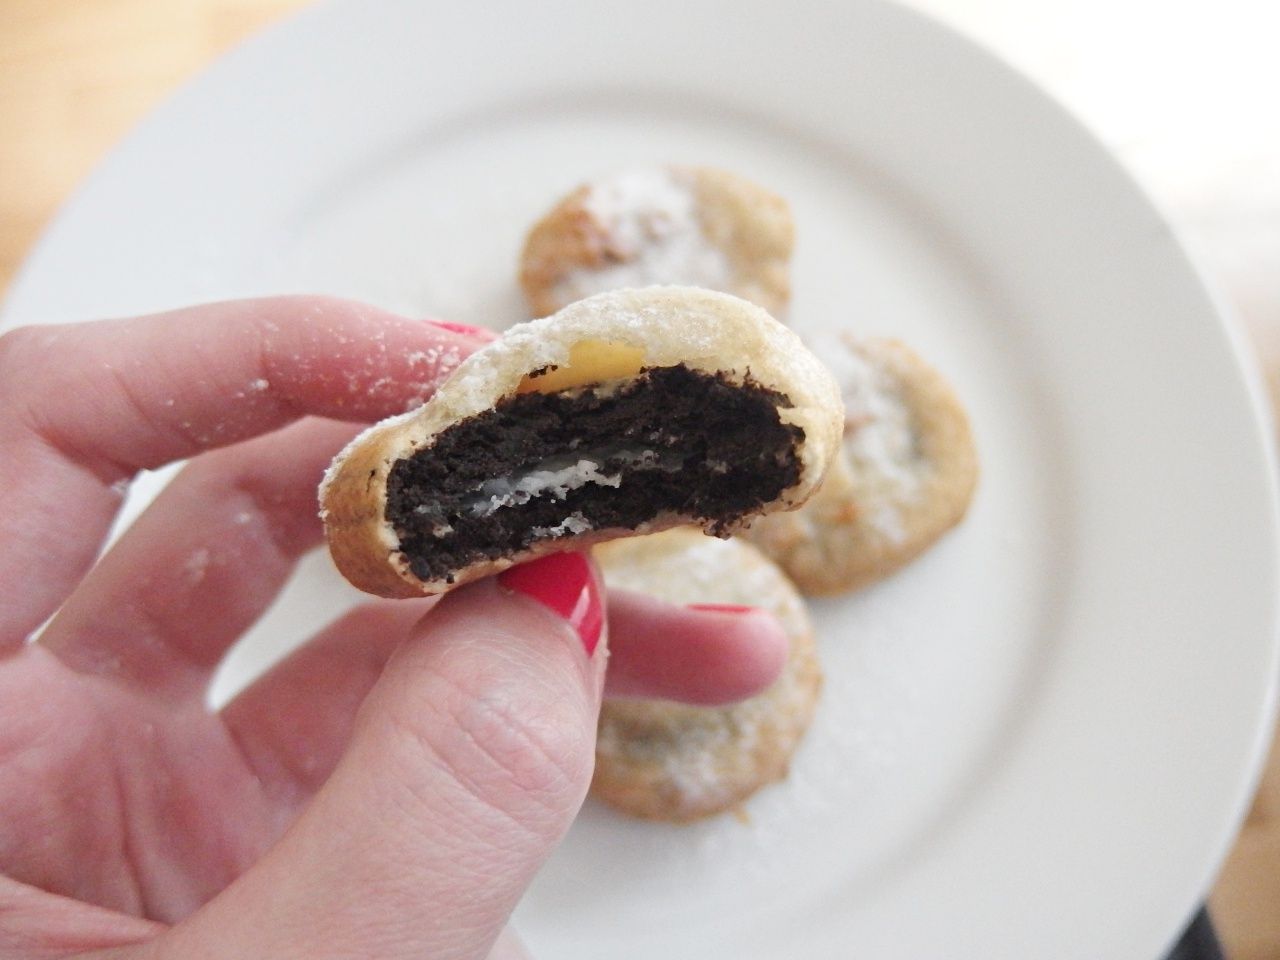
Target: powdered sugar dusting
[[880, 442], [651, 234], [443, 358], [707, 755], [196, 565]]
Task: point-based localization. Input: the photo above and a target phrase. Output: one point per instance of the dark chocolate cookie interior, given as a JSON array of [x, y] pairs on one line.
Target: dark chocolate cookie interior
[[544, 466]]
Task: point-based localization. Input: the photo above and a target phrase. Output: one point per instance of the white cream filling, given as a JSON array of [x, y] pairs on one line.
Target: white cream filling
[[547, 481], [440, 526], [557, 476], [571, 525]]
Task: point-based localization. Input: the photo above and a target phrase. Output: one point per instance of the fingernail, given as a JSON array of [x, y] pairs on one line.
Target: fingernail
[[565, 585], [479, 333], [722, 608]]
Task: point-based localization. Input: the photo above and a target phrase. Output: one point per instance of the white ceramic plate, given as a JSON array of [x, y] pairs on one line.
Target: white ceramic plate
[[1035, 742]]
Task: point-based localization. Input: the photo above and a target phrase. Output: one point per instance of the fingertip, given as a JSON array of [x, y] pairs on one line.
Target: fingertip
[[749, 647], [704, 656], [482, 334], [550, 610], [568, 584]]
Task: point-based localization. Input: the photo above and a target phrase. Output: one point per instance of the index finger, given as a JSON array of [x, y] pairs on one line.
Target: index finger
[[89, 405]]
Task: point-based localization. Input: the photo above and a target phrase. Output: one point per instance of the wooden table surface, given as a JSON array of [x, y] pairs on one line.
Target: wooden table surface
[[77, 74]]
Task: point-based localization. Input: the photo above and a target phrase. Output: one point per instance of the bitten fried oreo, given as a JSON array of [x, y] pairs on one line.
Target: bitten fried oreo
[[624, 413], [670, 761], [664, 224]]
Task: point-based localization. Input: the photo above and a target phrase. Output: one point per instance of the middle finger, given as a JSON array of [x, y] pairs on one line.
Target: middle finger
[[201, 564]]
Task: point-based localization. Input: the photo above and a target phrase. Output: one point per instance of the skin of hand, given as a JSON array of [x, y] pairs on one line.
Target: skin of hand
[[391, 788]]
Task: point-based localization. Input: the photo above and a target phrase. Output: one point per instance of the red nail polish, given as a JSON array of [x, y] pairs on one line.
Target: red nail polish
[[565, 585], [722, 608], [479, 333]]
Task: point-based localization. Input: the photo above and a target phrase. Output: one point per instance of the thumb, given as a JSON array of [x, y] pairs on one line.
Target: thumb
[[468, 762]]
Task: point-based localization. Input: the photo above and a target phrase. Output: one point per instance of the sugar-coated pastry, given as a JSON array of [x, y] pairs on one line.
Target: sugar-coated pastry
[[669, 761], [627, 412], [905, 476], [648, 225]]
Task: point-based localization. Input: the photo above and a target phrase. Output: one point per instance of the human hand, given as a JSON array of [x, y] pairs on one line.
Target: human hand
[[387, 791]]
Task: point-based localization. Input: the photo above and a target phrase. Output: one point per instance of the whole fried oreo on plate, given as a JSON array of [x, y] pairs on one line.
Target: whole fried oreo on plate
[[638, 226], [904, 477], [671, 761], [628, 412]]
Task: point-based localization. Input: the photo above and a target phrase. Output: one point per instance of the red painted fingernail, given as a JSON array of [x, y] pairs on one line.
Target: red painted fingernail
[[722, 608], [479, 333], [565, 584]]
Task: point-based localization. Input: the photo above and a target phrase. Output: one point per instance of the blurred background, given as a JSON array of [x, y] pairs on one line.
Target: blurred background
[[1185, 94]]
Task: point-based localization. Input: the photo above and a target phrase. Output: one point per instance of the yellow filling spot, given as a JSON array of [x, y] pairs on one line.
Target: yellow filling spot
[[590, 361]]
